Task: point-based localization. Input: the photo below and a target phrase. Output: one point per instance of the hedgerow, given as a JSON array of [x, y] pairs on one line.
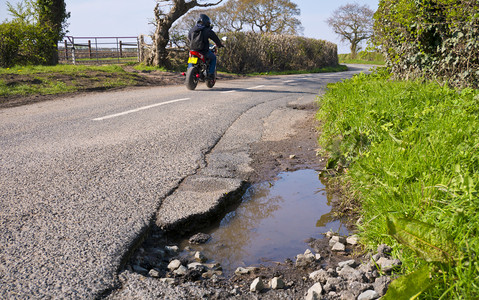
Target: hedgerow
[[254, 52], [436, 39], [260, 53]]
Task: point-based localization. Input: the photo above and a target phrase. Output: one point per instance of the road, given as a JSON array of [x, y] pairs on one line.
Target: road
[[82, 178]]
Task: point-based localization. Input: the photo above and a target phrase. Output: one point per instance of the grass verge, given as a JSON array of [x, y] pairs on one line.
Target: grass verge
[[50, 80], [363, 57], [410, 153], [24, 81]]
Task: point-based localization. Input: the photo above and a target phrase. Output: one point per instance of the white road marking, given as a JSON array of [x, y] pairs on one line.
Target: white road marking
[[139, 109], [289, 81], [225, 92], [255, 87]]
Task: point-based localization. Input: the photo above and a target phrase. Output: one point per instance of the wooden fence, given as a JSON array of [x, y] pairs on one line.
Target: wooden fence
[[98, 50]]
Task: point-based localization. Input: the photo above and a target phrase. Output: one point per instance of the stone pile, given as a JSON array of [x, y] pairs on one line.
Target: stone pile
[[335, 277], [350, 279]]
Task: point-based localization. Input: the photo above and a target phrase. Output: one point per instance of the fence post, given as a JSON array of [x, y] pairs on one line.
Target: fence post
[[73, 51], [138, 54], [89, 49], [96, 49], [66, 51], [121, 49]]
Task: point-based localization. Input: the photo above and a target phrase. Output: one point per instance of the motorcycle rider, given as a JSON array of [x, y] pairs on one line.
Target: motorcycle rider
[[199, 37]]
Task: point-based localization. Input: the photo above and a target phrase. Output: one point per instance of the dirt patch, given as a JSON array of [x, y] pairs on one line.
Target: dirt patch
[[295, 153]]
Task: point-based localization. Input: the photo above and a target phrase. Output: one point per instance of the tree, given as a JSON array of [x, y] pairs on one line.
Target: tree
[[53, 14], [353, 23], [278, 17], [39, 25], [166, 13]]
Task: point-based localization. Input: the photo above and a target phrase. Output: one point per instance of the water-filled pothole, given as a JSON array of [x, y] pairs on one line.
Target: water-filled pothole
[[272, 222]]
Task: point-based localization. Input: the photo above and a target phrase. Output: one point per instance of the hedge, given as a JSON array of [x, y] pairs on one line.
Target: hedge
[[254, 52], [436, 39]]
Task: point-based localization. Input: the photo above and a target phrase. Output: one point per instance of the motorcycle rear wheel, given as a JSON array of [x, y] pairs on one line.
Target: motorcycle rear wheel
[[211, 83], [191, 81]]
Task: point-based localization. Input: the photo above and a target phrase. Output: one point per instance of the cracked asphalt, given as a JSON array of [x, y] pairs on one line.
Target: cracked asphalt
[[83, 178]]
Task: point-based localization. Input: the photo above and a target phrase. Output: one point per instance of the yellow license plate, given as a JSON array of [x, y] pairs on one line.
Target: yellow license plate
[[193, 60]]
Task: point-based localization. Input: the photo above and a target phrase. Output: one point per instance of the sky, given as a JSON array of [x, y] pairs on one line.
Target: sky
[[102, 18]]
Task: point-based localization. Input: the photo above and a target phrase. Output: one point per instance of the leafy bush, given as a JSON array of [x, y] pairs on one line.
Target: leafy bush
[[10, 40], [432, 38], [24, 44], [411, 153]]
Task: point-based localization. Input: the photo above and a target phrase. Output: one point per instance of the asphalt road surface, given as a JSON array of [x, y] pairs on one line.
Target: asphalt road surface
[[82, 178]]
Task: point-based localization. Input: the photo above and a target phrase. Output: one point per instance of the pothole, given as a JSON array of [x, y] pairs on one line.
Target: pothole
[[273, 222]]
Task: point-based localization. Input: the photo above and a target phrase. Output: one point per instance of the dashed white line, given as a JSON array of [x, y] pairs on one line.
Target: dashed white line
[[287, 81], [139, 109], [255, 87], [225, 92]]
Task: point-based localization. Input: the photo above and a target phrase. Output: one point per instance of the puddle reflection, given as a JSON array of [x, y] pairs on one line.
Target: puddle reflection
[[272, 222]]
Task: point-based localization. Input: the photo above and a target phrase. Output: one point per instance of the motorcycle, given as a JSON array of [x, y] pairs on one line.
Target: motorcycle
[[198, 70]]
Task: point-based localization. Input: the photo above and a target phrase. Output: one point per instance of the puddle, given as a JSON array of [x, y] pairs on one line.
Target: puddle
[[272, 222]]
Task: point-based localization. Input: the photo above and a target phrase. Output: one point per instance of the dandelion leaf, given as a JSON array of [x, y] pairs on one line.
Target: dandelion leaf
[[429, 242], [409, 286]]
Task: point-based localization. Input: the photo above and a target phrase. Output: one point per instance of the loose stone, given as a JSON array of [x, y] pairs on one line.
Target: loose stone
[[319, 276], [381, 285], [338, 247], [257, 285], [174, 264], [277, 283], [196, 266], [172, 250], [337, 238], [182, 270], [304, 261], [200, 257], [368, 295], [387, 265], [384, 250], [167, 280], [199, 238], [352, 240], [314, 292], [242, 271], [154, 273], [351, 263]]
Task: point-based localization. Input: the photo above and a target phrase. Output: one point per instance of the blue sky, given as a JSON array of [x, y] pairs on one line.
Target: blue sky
[[131, 18]]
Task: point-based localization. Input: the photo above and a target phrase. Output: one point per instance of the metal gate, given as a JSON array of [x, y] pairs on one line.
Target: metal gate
[[98, 50]]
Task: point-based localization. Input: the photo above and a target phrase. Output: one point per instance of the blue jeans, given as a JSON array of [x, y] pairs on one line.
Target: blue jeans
[[212, 58]]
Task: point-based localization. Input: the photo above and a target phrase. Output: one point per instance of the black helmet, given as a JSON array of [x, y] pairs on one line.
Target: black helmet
[[204, 20]]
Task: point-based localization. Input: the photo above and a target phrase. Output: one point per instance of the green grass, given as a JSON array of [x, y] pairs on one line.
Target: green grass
[[410, 150], [143, 67], [60, 79], [62, 69], [363, 57]]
